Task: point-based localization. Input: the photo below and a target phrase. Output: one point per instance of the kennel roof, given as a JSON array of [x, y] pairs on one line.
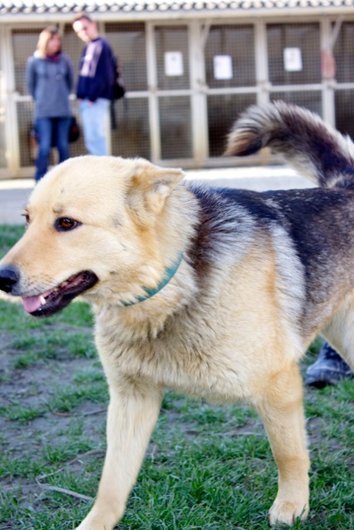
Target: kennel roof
[[144, 8]]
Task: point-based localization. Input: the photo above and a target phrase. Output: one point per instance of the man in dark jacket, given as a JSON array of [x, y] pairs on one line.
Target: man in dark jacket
[[95, 82]]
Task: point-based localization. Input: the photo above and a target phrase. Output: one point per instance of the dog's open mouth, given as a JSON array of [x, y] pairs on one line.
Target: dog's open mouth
[[54, 300]]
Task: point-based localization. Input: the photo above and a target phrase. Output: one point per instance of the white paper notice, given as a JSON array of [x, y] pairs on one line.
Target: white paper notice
[[292, 59], [173, 63], [223, 67]]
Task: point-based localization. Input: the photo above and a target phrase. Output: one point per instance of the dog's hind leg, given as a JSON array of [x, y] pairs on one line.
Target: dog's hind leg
[[132, 414], [340, 331], [282, 412]]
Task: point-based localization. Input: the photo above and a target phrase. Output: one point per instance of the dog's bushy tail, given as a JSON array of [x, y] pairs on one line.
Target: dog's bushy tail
[[312, 147]]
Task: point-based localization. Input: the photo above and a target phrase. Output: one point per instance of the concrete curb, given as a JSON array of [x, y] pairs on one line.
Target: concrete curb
[[14, 193]]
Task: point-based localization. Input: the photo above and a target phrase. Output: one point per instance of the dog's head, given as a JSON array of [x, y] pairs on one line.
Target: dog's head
[[95, 225]]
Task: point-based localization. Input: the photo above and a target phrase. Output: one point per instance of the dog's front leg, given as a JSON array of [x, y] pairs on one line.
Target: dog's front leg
[[283, 417], [132, 414]]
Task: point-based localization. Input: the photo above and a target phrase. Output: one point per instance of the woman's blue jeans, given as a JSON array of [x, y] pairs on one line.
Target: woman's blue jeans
[[51, 132]]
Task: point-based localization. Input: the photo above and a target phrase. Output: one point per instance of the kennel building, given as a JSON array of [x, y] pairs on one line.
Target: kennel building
[[190, 68]]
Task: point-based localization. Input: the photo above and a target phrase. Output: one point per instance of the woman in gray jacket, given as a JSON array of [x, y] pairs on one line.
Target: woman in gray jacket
[[49, 77]]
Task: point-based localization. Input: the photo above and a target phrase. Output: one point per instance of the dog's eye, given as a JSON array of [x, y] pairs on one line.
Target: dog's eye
[[64, 224], [27, 218]]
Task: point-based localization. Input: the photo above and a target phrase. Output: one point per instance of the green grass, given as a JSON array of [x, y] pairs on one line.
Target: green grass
[[8, 236], [207, 467]]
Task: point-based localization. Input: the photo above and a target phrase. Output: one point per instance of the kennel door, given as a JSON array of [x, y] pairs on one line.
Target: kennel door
[[230, 72], [173, 91]]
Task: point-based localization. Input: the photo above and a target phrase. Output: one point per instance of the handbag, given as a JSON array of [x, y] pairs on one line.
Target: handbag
[[118, 87], [118, 90], [74, 130]]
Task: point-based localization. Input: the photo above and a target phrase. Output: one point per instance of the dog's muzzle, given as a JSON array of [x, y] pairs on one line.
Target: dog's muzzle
[[50, 301]]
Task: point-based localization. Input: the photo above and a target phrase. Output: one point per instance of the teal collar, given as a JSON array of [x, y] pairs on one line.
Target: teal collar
[[149, 293]]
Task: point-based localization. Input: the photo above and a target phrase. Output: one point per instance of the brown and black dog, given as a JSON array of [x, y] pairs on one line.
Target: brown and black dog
[[212, 292]]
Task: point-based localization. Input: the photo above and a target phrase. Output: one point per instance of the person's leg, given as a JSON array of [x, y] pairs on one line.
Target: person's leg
[[328, 369], [44, 135], [95, 123], [63, 125]]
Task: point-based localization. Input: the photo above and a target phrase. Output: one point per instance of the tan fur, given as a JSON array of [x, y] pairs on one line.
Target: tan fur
[[234, 338]]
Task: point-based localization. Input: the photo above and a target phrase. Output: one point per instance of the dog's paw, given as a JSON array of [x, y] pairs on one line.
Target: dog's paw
[[93, 525], [286, 512], [98, 520]]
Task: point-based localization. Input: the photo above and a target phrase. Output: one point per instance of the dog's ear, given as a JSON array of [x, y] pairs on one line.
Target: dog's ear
[[150, 186]]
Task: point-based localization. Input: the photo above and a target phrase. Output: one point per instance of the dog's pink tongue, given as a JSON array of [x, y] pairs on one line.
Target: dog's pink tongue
[[31, 303]]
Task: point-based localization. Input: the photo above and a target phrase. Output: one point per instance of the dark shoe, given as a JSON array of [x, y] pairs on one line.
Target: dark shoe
[[328, 369]]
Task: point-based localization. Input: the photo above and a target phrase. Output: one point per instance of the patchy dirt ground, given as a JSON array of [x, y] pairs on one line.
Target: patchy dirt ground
[[34, 421], [53, 401]]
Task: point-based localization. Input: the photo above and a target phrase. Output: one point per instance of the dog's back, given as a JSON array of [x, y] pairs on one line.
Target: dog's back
[[319, 221]]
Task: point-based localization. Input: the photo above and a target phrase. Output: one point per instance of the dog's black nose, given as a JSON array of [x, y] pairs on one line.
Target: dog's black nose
[[9, 276]]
